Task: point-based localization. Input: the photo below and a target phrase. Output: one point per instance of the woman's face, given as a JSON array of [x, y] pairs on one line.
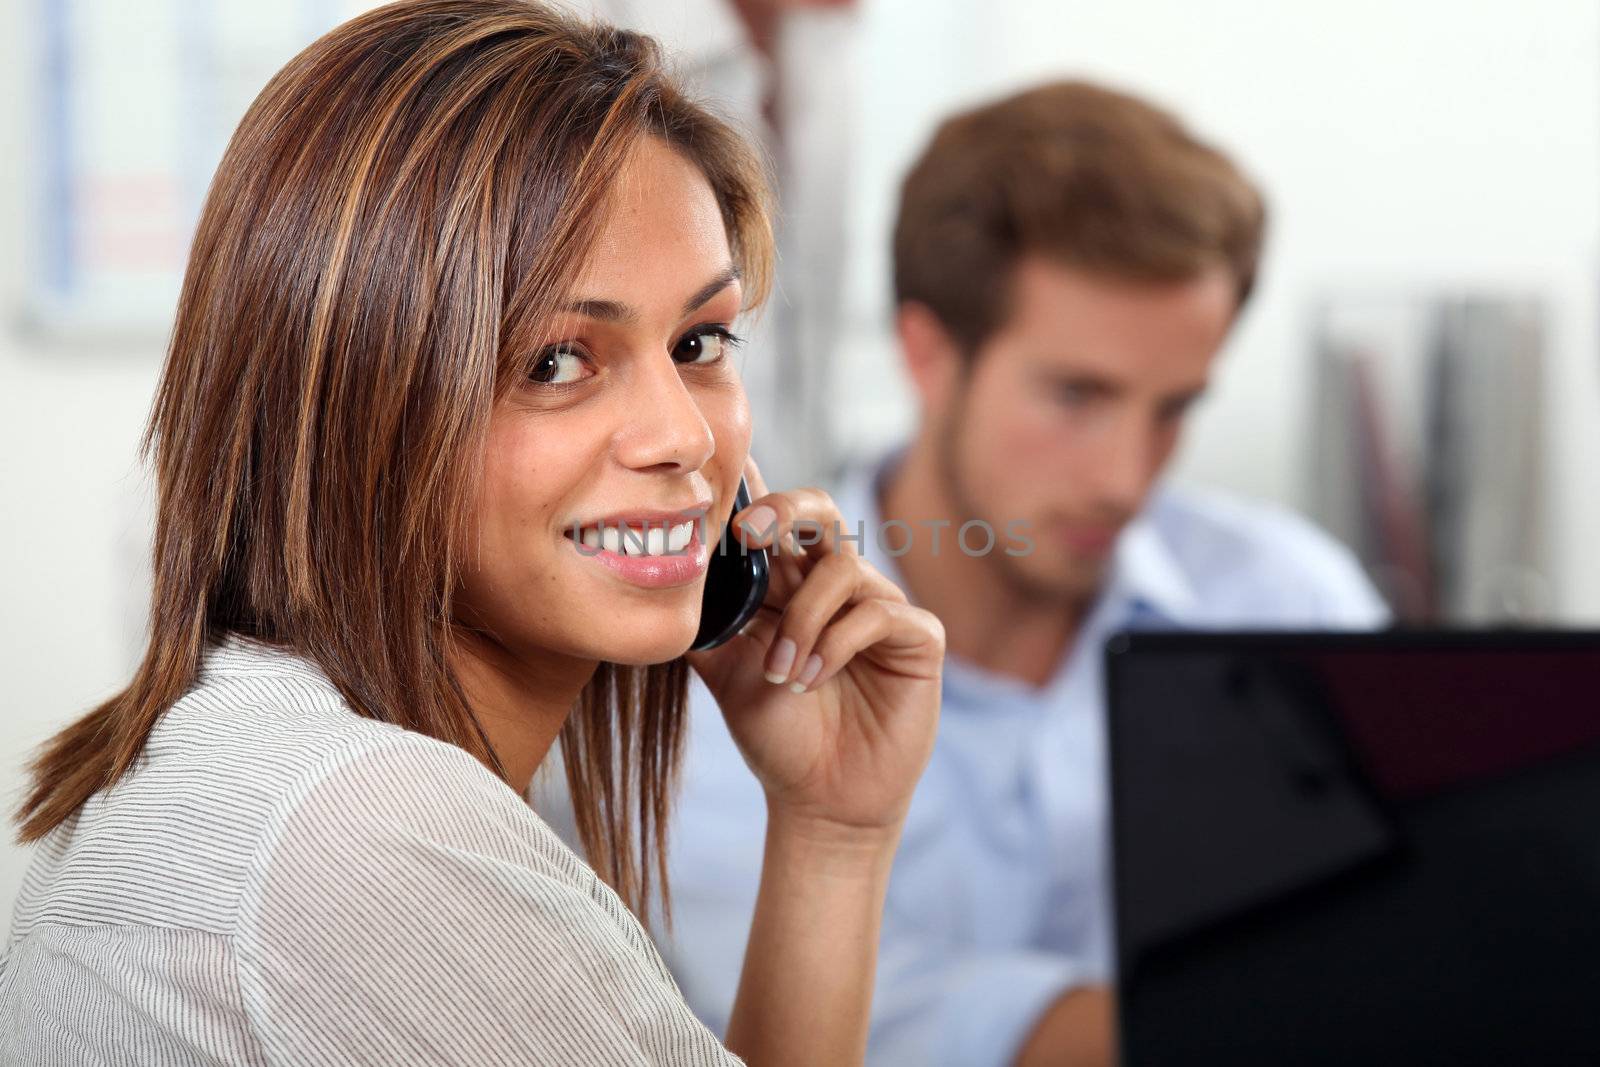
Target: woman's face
[[634, 411]]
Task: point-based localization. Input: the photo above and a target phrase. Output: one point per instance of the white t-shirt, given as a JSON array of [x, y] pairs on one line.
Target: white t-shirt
[[279, 880]]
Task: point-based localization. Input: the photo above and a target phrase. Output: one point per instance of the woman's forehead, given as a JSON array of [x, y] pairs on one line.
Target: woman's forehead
[[660, 196], [661, 236]]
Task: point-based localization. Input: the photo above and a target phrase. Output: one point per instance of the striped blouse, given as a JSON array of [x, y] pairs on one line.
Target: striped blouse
[[279, 880]]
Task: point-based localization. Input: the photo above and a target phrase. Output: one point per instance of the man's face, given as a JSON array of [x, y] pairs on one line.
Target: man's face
[[1069, 412]]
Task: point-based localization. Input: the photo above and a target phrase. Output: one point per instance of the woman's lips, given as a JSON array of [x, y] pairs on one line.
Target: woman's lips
[[657, 571]]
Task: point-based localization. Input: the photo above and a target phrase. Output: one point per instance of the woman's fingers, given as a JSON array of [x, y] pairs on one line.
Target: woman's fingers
[[833, 583], [805, 521], [764, 525], [787, 574], [895, 625], [804, 525]]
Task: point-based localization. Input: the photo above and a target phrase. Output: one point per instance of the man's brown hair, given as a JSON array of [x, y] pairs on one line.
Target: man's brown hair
[[1080, 175]]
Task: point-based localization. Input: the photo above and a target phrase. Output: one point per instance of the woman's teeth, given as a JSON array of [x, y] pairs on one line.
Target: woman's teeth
[[631, 541]]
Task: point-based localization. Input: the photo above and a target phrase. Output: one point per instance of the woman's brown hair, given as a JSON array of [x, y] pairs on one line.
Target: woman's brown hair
[[396, 216]]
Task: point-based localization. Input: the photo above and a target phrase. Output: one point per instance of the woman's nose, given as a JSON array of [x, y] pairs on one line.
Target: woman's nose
[[664, 424]]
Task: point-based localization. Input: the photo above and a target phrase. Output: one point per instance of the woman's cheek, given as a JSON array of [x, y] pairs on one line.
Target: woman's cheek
[[733, 445], [728, 412]]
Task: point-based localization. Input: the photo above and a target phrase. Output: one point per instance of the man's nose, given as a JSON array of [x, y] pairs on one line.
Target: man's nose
[[1122, 473]]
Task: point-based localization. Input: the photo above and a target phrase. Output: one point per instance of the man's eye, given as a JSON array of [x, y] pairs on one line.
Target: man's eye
[[559, 364], [1075, 396], [706, 344]]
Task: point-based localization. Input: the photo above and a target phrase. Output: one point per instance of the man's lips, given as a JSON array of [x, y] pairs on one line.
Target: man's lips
[[1089, 538]]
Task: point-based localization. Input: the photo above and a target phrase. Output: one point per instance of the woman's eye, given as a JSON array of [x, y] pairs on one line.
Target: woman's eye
[[557, 365], [705, 345]]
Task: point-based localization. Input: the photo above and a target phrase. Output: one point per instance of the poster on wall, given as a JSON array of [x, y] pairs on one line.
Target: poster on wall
[[132, 106]]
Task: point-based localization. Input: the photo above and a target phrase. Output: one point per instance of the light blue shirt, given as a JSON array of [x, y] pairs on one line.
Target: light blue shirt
[[998, 901]]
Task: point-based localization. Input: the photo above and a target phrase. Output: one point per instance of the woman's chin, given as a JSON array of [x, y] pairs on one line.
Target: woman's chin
[[650, 641], [638, 654]]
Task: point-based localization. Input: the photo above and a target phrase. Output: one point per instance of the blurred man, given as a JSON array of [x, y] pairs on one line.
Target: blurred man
[[1068, 263]]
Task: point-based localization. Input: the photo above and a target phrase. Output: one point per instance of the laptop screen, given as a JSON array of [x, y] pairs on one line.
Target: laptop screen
[[1356, 848]]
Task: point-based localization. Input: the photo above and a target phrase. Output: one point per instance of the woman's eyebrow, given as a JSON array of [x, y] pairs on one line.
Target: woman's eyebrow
[[613, 311], [729, 275]]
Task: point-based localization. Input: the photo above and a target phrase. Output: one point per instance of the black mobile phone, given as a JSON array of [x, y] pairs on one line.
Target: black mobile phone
[[736, 582]]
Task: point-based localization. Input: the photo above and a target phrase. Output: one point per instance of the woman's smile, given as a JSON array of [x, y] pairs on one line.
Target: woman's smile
[[651, 553]]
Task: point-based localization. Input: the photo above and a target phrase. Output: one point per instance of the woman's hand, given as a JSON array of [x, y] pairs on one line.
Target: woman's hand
[[841, 755]]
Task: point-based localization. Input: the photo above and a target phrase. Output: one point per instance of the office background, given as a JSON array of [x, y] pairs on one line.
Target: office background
[[1409, 151]]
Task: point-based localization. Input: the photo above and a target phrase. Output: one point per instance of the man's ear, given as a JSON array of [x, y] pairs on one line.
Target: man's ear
[[933, 359]]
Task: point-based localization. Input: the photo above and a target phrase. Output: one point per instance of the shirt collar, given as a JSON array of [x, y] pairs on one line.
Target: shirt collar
[[236, 655], [1148, 577]]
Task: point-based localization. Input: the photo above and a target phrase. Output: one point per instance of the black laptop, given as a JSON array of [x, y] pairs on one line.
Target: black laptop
[[1356, 849]]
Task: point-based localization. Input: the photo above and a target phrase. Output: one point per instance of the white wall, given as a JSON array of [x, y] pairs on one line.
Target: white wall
[[71, 528], [1423, 143]]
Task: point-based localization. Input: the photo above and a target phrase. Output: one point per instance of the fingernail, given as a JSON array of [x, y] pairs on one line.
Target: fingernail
[[780, 660], [808, 675], [761, 520]]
